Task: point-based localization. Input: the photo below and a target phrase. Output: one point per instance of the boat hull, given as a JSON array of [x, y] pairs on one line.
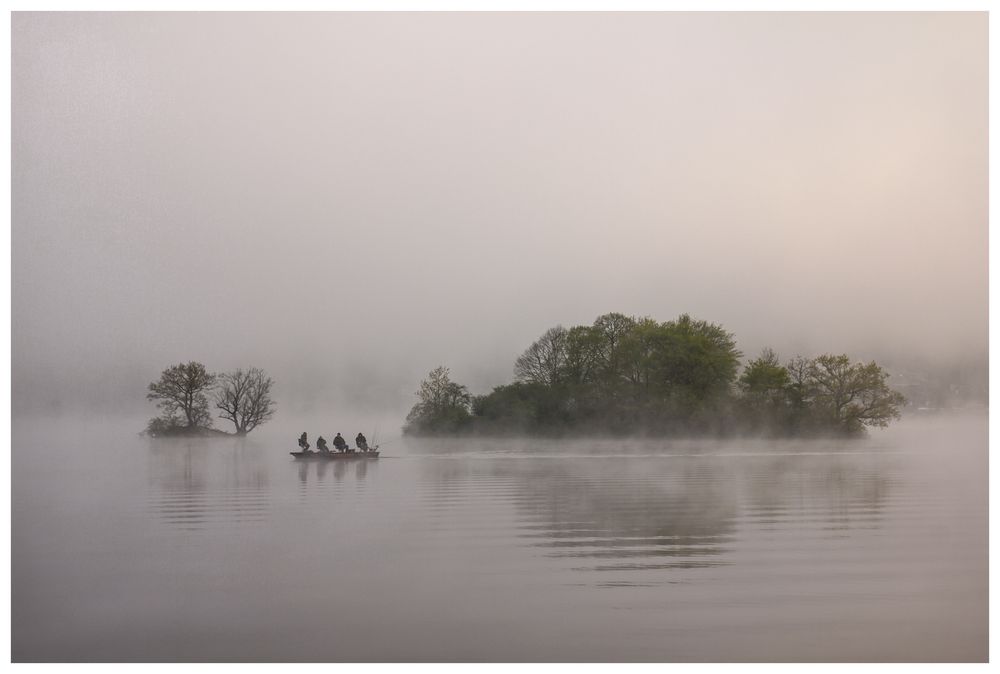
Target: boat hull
[[333, 456]]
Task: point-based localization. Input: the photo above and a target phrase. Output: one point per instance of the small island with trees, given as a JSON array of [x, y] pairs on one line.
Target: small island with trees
[[184, 393], [635, 376]]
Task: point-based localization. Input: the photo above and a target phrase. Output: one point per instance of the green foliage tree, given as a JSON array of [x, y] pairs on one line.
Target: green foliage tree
[[850, 396], [443, 406], [617, 374], [696, 365], [640, 351], [626, 375], [181, 393], [764, 387], [583, 355], [521, 407]]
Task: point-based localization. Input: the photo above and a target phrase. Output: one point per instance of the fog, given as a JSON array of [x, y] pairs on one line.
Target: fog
[[349, 200]]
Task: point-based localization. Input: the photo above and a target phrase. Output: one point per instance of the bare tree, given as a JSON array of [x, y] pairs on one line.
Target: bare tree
[[181, 394], [244, 396], [543, 361]]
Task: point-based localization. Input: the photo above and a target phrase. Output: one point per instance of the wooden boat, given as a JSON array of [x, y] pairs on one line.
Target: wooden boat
[[336, 456]]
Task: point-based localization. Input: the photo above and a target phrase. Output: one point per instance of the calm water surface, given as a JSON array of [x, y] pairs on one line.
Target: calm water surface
[[132, 549]]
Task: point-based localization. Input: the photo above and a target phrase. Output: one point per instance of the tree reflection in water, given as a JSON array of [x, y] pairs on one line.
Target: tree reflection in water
[[198, 484], [648, 511]]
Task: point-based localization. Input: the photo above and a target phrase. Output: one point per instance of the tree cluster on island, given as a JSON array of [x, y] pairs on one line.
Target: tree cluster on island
[[636, 376], [184, 393]]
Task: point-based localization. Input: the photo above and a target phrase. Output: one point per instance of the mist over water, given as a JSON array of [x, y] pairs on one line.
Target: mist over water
[[688, 550]]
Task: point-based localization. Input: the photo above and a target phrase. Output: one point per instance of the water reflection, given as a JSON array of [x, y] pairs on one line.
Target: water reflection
[[196, 485], [603, 514], [827, 493], [629, 515], [318, 472], [149, 551], [634, 520]]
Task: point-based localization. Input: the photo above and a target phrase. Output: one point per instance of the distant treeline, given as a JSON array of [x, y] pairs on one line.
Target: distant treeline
[[627, 375]]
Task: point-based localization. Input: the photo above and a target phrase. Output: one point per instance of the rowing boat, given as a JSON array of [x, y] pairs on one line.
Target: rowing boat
[[335, 456]]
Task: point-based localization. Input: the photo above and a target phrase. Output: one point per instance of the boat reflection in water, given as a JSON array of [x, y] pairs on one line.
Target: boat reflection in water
[[319, 470]]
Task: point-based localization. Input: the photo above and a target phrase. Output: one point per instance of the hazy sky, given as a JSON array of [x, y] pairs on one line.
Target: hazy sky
[[342, 196]]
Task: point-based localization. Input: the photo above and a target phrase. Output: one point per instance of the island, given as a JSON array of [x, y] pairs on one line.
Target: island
[[624, 375]]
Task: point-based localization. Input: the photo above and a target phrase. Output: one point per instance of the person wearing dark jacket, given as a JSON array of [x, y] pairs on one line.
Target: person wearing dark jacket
[[340, 443], [321, 445], [303, 442], [362, 442]]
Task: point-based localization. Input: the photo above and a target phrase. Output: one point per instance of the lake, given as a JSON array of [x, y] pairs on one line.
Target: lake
[[131, 549]]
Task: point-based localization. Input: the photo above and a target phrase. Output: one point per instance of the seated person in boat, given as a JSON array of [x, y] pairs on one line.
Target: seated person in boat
[[340, 443], [362, 442], [321, 445], [303, 442]]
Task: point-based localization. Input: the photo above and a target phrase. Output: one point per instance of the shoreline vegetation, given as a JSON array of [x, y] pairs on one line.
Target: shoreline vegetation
[[155, 430], [633, 376]]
